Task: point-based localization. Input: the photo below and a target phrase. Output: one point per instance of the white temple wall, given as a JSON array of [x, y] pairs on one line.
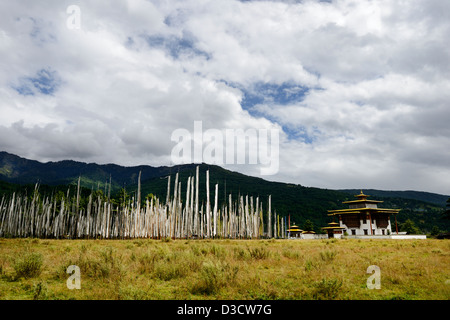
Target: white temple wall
[[363, 225]]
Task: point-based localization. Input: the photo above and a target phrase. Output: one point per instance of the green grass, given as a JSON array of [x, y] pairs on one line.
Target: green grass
[[224, 269]]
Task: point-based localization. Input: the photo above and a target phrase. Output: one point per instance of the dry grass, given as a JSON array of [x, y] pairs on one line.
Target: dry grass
[[224, 269]]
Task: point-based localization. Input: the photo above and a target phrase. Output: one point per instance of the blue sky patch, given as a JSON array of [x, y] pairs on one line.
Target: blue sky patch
[[177, 46], [279, 95], [301, 133], [46, 81], [271, 93]]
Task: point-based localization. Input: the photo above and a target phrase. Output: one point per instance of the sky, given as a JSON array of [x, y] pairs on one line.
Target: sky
[[358, 91]]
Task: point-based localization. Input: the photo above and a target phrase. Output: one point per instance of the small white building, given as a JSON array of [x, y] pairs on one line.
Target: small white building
[[334, 230], [294, 232]]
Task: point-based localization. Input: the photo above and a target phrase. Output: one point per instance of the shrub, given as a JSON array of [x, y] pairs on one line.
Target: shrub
[[240, 253], [88, 266], [105, 264], [139, 242], [219, 252], [131, 293], [327, 289], [259, 253], [111, 264], [2, 263], [310, 264], [29, 265], [146, 263], [327, 256], [214, 276], [168, 271], [165, 265], [40, 291], [290, 254]]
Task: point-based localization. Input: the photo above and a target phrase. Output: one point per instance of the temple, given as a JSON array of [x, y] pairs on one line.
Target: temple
[[334, 230], [294, 231], [363, 217]]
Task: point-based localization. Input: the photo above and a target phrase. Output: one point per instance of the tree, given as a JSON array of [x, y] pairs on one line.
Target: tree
[[447, 211], [123, 197], [308, 225], [98, 194], [409, 227], [435, 231], [150, 196]]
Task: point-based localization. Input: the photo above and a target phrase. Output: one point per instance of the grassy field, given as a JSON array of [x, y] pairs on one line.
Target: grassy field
[[225, 269]]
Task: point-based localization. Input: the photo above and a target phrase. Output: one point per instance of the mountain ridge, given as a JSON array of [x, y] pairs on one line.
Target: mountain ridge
[[157, 171]]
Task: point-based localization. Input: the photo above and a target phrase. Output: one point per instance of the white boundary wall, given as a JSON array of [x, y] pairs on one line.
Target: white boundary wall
[[392, 236]]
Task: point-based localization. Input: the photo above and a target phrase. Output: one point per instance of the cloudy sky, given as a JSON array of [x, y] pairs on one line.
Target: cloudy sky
[[359, 91]]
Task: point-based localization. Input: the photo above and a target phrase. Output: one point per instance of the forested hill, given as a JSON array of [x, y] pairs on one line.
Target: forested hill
[[300, 202]]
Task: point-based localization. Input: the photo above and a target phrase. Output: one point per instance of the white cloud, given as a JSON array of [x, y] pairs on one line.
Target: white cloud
[[372, 110]]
